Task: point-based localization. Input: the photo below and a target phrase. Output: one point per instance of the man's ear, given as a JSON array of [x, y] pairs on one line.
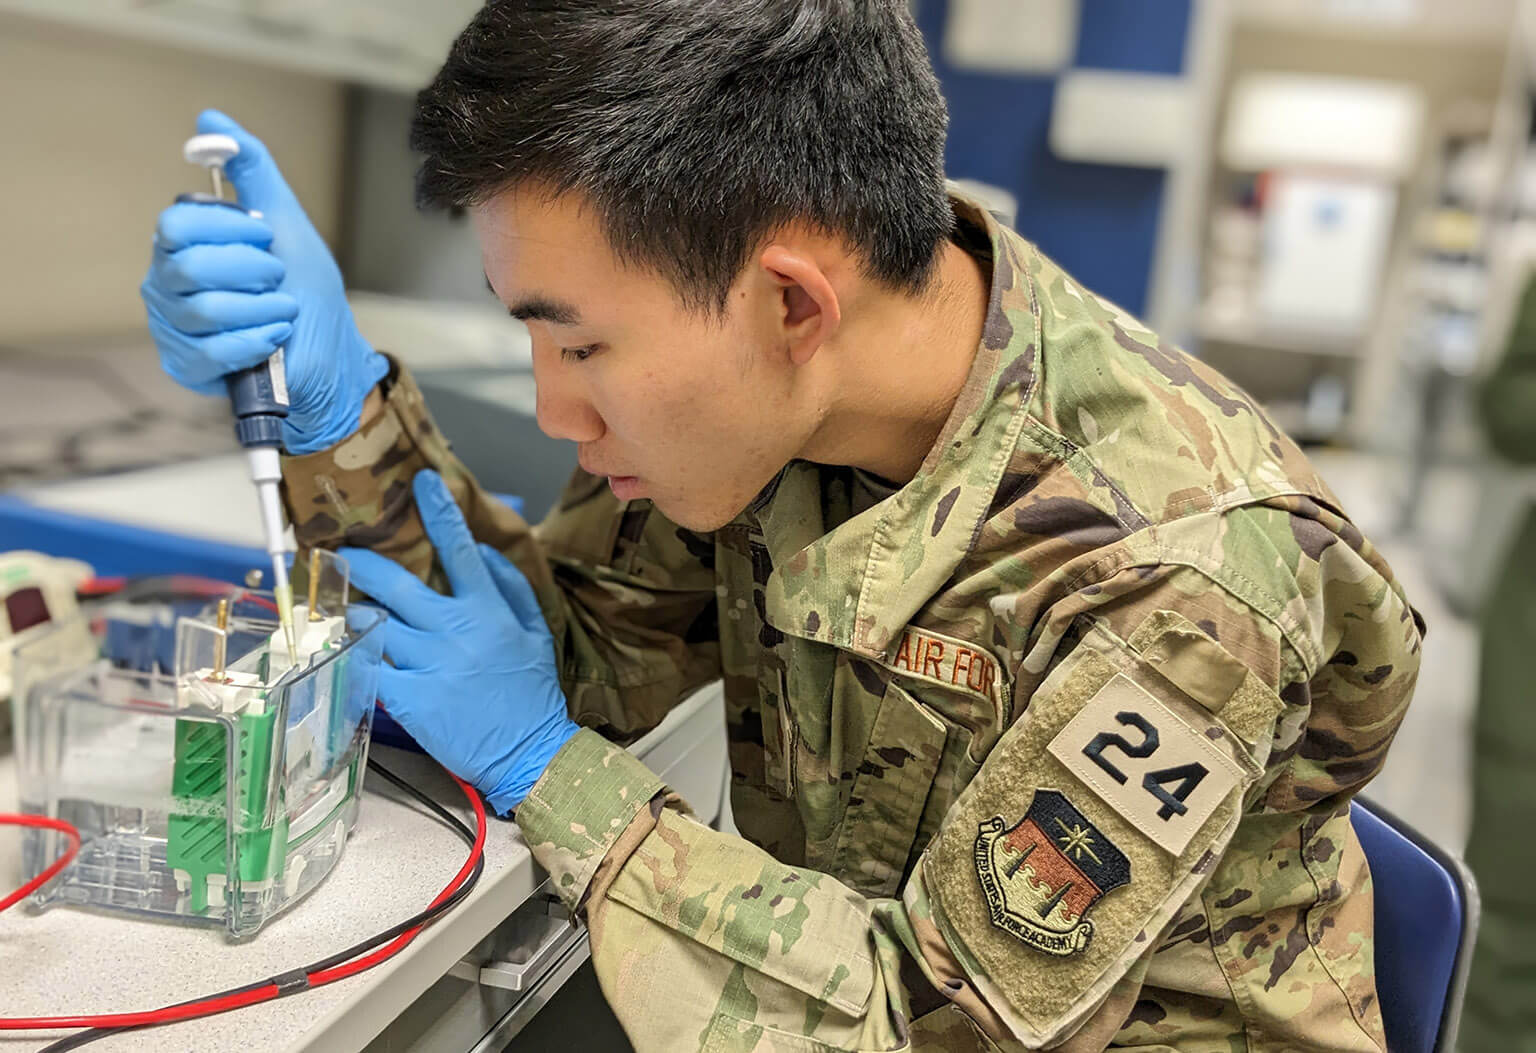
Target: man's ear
[[810, 309]]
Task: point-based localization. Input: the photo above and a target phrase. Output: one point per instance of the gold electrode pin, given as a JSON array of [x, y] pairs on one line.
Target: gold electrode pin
[[314, 584], [220, 642]]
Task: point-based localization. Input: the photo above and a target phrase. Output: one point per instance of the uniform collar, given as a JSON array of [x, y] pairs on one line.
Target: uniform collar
[[859, 584]]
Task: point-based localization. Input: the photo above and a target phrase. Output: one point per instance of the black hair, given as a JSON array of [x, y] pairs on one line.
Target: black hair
[[696, 128]]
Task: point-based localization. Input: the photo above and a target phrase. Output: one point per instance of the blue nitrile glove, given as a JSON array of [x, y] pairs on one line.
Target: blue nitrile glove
[[225, 290], [474, 677]]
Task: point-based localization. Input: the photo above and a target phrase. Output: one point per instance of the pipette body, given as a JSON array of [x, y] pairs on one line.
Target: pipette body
[[258, 396]]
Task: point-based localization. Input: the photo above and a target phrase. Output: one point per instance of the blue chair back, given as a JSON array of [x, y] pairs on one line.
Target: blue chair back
[[1426, 923]]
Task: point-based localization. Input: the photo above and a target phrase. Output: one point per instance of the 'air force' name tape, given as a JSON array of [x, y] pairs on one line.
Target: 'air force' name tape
[[951, 663]]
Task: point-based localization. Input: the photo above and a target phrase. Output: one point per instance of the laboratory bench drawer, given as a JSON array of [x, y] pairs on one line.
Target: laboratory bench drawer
[[515, 978], [488, 998], [571, 1004]]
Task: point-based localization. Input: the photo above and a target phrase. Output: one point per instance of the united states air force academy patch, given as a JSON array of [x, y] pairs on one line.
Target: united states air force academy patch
[[1043, 875]]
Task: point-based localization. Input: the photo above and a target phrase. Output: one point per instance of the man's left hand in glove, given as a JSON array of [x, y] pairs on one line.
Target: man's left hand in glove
[[473, 677]]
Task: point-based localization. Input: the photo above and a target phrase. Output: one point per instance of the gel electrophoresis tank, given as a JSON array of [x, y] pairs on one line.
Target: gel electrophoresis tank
[[213, 776]]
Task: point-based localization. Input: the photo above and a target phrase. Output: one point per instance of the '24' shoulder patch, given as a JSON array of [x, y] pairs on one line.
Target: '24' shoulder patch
[[1095, 817], [1143, 761]]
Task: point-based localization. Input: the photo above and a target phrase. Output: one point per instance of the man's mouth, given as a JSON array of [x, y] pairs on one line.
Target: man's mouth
[[625, 487]]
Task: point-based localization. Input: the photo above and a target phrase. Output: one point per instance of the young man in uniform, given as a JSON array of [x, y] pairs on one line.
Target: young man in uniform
[[1050, 665]]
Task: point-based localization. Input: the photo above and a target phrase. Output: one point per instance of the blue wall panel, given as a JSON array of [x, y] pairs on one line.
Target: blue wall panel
[[1098, 221], [1138, 36]]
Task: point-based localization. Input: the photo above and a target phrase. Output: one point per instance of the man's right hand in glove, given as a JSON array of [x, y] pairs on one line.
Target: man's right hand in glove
[[225, 290]]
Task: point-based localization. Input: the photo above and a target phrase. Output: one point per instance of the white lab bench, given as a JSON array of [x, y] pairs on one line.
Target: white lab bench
[[161, 498], [68, 960], [468, 982]]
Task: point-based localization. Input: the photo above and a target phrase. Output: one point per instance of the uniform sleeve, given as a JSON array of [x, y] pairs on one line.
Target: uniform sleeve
[[1135, 792], [1509, 393], [629, 597]]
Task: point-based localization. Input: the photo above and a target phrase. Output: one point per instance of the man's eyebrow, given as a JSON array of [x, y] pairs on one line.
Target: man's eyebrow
[[541, 309]]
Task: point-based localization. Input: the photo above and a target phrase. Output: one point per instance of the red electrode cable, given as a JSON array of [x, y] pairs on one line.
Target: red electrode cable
[[43, 823], [265, 993]]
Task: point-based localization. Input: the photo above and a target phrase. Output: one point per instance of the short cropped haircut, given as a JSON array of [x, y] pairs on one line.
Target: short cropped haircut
[[697, 128]]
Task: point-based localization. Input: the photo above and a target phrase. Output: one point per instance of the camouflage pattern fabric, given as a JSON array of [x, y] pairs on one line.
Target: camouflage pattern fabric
[[1052, 747]]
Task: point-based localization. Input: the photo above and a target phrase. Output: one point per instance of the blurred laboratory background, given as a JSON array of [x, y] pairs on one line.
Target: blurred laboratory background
[[1332, 201]]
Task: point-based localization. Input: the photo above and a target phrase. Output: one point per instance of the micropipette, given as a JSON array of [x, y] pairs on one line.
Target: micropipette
[[258, 396]]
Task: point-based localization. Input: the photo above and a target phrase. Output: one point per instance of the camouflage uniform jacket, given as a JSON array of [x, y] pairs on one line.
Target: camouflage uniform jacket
[[1051, 747]]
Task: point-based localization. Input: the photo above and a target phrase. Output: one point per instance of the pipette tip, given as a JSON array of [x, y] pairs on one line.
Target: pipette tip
[[283, 594]]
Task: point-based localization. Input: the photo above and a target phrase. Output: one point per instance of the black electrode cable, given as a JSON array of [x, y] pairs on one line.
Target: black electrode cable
[[286, 981]]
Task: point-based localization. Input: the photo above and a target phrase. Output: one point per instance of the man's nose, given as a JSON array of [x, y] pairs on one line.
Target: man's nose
[[562, 411]]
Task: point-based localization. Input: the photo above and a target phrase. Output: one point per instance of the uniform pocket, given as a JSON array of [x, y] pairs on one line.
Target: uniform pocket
[[889, 792], [947, 1028], [729, 1035]]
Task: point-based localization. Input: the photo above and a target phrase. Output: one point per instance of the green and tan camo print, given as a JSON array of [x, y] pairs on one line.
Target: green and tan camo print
[[1052, 747]]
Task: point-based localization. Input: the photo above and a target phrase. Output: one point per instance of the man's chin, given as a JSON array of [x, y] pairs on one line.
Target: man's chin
[[695, 517]]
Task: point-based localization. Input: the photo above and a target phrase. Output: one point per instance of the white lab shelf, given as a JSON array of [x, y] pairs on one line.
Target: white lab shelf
[[1114, 118], [1445, 22], [1011, 36], [1296, 120], [1299, 340]]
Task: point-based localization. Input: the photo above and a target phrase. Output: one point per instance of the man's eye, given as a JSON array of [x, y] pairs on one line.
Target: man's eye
[[578, 354]]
